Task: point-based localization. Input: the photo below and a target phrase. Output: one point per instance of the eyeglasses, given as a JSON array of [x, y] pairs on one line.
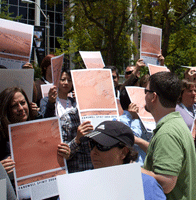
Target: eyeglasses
[[100, 147], [146, 90], [128, 72], [151, 91]]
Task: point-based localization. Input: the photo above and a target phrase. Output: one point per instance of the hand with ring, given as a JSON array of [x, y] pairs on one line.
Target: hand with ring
[[64, 150]]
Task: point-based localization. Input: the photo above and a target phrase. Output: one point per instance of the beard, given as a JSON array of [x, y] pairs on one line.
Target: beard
[[146, 108]]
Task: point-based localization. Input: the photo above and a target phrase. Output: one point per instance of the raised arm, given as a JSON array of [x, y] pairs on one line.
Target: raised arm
[[47, 104], [133, 77], [143, 144]]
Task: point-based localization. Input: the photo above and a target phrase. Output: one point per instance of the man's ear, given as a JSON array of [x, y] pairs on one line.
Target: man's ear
[[155, 97], [124, 153]]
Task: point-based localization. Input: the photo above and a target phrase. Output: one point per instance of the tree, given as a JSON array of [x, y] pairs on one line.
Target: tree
[[177, 21], [100, 25], [4, 14]]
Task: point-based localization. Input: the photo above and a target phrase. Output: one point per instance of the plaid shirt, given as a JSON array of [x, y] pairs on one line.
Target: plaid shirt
[[80, 154]]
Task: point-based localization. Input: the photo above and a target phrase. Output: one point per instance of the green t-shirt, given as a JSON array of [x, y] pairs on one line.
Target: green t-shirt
[[172, 152]]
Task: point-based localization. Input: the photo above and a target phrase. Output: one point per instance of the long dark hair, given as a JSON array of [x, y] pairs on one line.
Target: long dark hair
[[67, 71], [6, 97]]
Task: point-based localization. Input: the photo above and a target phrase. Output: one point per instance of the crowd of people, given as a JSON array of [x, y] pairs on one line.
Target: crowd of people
[[166, 155]]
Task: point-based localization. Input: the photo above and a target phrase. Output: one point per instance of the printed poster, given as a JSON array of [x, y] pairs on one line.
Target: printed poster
[[137, 96], [92, 59], [22, 78], [56, 66], [34, 150], [108, 183], [150, 45], [95, 95], [45, 89], [155, 68], [16, 43]]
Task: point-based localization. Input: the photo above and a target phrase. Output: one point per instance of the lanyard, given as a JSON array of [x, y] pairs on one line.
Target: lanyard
[[60, 108], [192, 114]]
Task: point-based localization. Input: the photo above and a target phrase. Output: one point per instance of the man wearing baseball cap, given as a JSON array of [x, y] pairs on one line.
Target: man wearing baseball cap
[[111, 144]]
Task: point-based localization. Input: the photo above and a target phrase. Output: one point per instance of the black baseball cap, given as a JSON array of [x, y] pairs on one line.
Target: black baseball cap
[[110, 133]]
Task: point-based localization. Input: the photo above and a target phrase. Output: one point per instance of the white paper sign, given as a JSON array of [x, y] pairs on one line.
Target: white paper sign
[[16, 43], [111, 183], [3, 193], [22, 78], [92, 59], [45, 89], [155, 68], [150, 45]]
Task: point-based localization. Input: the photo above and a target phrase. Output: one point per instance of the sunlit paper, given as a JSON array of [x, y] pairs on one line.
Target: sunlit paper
[[137, 96], [92, 59], [117, 182], [95, 95], [22, 78], [16, 43], [34, 150], [150, 45], [155, 68], [56, 66]]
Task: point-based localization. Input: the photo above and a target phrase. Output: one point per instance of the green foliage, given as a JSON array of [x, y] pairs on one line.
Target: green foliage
[[37, 71], [105, 26], [177, 20], [4, 14]]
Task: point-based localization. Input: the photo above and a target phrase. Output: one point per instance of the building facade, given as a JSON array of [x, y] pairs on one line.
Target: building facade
[[31, 15]]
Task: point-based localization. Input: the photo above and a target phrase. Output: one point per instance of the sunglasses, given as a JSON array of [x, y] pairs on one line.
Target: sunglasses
[[100, 147], [151, 91], [129, 72]]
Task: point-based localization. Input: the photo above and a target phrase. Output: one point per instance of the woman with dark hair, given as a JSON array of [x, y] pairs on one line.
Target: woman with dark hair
[[71, 131], [61, 98], [46, 76], [14, 108]]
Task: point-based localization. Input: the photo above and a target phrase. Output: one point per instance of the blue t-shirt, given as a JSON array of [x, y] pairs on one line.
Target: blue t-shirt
[[152, 189]]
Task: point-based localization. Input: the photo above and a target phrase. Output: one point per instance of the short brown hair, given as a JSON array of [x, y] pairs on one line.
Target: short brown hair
[[45, 63], [185, 85]]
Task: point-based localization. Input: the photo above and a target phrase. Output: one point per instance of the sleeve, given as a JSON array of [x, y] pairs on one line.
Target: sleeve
[[74, 147], [136, 127], [47, 109], [152, 189], [67, 136], [168, 155], [129, 82], [10, 191], [134, 124]]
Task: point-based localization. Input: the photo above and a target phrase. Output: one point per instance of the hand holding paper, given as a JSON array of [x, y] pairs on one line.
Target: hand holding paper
[[83, 129], [161, 59], [64, 150], [140, 64], [34, 108], [8, 164], [52, 94], [192, 71], [133, 110]]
